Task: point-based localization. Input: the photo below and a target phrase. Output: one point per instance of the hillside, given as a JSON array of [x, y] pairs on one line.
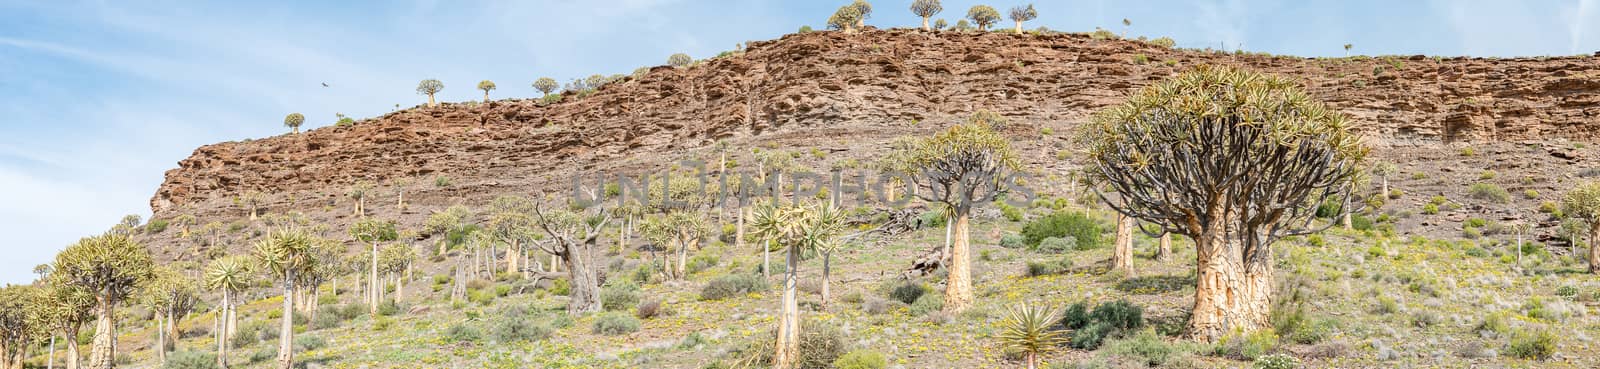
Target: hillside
[[869, 84]]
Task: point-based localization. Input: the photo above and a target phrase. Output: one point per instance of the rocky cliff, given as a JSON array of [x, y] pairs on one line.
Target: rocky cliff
[[862, 88]]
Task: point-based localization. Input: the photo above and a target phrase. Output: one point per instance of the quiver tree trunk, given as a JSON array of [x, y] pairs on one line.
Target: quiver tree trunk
[[223, 333], [286, 330], [1122, 253], [1164, 247], [102, 352], [958, 285], [372, 283], [1594, 248], [788, 347], [585, 283], [1346, 221], [1232, 293], [924, 28], [72, 348]]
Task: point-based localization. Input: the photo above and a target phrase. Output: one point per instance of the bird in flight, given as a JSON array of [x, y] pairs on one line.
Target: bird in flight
[[325, 84]]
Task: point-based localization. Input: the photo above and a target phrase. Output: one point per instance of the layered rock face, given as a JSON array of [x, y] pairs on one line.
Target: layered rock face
[[837, 87]]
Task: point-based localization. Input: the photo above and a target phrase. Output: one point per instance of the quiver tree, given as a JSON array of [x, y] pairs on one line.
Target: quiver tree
[[251, 201], [486, 86], [797, 228], [926, 9], [1583, 202], [230, 276], [680, 230], [1023, 14], [1234, 160], [511, 223], [1383, 169], [111, 267], [1122, 249], [983, 16], [293, 121], [359, 193], [961, 167], [17, 329], [845, 18], [546, 85], [679, 60], [372, 232], [171, 296], [863, 11], [940, 24], [448, 227], [573, 237], [63, 309], [395, 260], [287, 254], [429, 87]]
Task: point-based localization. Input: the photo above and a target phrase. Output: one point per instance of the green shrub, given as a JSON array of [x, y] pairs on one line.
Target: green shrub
[[1276, 361], [928, 303], [1487, 175], [388, 308], [263, 354], [1084, 230], [932, 219], [1146, 345], [861, 359], [1090, 337], [1489, 192], [733, 285], [520, 328], [1051, 267], [701, 262], [1250, 346], [155, 226], [1057, 245], [1012, 241], [1154, 284], [908, 292], [1567, 292], [462, 333], [1430, 209], [1075, 316], [619, 294], [309, 342], [191, 360], [1011, 213], [612, 324], [1533, 344]]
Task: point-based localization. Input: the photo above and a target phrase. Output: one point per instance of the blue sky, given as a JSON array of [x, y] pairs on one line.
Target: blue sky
[[99, 98]]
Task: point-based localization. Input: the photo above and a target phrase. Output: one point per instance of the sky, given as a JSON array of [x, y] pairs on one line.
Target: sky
[[99, 98]]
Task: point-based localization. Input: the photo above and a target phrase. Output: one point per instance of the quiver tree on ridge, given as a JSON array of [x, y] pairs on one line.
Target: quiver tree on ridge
[[1234, 160]]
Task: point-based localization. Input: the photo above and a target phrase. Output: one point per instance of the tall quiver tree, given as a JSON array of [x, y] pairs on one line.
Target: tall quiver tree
[[1383, 169], [983, 16], [293, 121], [359, 192], [845, 19], [797, 228], [863, 10], [171, 296], [1583, 202], [63, 309], [960, 168], [546, 85], [1023, 14], [373, 232], [288, 253], [111, 266], [1234, 160], [573, 237], [430, 87], [486, 86], [511, 223], [251, 201], [926, 9], [229, 275]]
